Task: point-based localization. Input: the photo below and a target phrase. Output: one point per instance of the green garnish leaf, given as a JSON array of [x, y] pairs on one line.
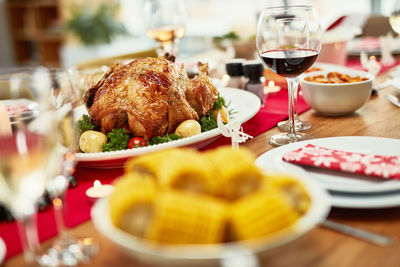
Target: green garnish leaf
[[208, 122], [117, 140], [219, 103], [85, 124], [163, 139]]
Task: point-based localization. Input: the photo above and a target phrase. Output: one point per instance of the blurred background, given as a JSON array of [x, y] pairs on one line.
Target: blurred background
[[66, 32]]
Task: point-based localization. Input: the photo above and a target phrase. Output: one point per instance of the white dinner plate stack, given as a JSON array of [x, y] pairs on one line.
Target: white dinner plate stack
[[347, 190]]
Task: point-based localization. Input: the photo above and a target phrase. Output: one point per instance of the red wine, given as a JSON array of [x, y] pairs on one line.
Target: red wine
[[290, 62]]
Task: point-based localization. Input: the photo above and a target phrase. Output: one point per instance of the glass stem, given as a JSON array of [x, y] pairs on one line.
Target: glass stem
[[296, 90], [292, 89], [58, 204], [29, 237]]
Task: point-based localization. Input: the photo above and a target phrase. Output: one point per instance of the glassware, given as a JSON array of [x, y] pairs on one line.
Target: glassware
[[299, 124], [66, 250], [165, 23], [288, 42], [394, 18], [27, 150]]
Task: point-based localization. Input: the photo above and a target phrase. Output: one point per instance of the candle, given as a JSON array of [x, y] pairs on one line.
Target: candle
[[271, 87], [5, 124], [99, 190]]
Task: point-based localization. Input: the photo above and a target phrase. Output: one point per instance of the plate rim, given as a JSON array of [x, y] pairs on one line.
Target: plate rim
[[121, 154], [354, 201], [280, 150]]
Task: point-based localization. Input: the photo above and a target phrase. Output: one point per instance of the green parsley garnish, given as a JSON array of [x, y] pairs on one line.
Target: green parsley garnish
[[219, 103], [85, 124], [208, 122], [163, 139], [117, 140]]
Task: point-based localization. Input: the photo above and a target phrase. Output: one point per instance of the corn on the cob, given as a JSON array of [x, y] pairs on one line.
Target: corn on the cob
[[261, 214], [294, 190], [150, 163], [234, 172], [182, 218], [187, 171], [131, 204], [182, 169]]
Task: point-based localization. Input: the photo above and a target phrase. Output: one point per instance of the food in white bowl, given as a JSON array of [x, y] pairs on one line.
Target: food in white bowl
[[343, 95], [183, 207]]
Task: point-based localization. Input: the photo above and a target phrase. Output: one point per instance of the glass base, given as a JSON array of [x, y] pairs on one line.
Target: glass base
[[284, 138], [69, 252], [298, 124]]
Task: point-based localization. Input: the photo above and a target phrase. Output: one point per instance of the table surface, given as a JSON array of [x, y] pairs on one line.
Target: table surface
[[320, 247]]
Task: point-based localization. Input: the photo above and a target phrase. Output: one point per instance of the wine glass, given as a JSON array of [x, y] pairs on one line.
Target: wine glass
[[28, 155], [165, 23], [66, 250], [288, 42]]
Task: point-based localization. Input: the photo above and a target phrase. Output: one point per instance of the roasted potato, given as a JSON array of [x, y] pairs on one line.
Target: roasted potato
[[92, 141], [188, 128]]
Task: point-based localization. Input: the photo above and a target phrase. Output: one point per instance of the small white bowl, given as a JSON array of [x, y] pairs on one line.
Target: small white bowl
[[337, 99]]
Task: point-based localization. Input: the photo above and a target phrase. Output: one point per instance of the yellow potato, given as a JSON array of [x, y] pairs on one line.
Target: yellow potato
[[92, 141], [188, 128]]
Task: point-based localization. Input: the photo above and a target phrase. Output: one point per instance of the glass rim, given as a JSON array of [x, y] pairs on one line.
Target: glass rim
[[289, 7]]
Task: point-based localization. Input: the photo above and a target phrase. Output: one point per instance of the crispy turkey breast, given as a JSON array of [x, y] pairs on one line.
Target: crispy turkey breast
[[148, 97]]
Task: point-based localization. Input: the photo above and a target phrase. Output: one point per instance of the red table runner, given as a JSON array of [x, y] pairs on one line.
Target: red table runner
[[77, 207]]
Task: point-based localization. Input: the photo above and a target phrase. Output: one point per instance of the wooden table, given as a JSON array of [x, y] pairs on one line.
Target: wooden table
[[321, 247]]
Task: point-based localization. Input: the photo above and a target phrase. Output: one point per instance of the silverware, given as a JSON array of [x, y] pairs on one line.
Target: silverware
[[393, 99], [359, 233]]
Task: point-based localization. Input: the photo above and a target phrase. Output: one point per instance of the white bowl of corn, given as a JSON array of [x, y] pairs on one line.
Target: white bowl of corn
[[183, 207]]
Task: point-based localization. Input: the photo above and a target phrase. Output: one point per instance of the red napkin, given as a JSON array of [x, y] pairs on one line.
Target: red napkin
[[374, 165]]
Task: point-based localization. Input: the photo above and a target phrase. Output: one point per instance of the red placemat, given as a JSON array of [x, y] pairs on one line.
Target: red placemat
[[77, 207]]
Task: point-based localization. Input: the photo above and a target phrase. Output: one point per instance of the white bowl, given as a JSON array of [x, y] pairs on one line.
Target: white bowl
[[336, 99], [213, 254]]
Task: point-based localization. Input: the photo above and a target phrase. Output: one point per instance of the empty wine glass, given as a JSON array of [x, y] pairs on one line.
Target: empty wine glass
[[66, 250], [165, 23], [28, 155], [288, 42]]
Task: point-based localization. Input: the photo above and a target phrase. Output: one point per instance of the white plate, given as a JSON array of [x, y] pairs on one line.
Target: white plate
[[2, 250], [244, 104], [199, 255], [337, 181], [366, 201]]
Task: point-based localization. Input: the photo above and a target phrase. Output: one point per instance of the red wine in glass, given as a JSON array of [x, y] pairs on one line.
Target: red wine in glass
[[289, 62]]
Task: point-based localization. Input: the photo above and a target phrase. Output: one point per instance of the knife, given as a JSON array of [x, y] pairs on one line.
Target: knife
[[358, 233]]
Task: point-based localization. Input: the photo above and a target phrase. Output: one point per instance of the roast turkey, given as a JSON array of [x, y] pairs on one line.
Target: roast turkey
[[148, 97]]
